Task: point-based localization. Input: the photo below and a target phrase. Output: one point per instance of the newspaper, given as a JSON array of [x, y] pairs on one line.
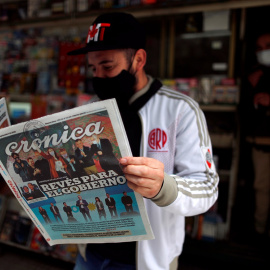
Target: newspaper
[[64, 171], [4, 118]]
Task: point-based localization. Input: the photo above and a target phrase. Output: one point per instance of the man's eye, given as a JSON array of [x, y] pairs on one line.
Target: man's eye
[[107, 67]]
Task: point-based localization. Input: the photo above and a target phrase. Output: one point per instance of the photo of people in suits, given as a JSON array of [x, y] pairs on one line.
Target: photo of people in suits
[[83, 206], [74, 167], [85, 155], [31, 191], [110, 202], [35, 191], [102, 147], [44, 214], [127, 202], [26, 193], [34, 172], [100, 207], [58, 167], [21, 167], [43, 165], [54, 209], [67, 209]]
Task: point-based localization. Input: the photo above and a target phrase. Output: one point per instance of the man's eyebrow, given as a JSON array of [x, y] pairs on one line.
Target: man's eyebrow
[[101, 62]]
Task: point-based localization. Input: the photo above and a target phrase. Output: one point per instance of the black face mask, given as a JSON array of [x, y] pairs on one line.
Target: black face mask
[[120, 87]]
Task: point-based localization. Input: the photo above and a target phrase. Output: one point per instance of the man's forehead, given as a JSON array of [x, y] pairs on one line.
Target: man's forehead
[[103, 56]]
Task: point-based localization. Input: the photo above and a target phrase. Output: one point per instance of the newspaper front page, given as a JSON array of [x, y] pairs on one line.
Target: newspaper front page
[[64, 170]]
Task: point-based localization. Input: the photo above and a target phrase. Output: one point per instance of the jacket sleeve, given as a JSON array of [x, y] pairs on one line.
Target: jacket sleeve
[[193, 188]]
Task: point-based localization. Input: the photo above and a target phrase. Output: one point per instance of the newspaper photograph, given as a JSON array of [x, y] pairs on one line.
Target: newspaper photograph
[[4, 118], [64, 170]]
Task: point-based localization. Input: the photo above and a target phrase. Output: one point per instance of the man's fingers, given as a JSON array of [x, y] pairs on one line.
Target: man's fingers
[[150, 162], [144, 171], [144, 191]]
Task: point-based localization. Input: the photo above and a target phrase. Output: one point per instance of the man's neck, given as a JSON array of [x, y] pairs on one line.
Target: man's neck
[[142, 90], [142, 81]]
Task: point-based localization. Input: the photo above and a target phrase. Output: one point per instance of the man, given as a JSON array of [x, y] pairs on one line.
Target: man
[[110, 202], [169, 141], [257, 124], [68, 211], [104, 150], [83, 206], [85, 156], [100, 208], [35, 191], [34, 172], [43, 165], [27, 194], [54, 209], [21, 167], [127, 202], [74, 166]]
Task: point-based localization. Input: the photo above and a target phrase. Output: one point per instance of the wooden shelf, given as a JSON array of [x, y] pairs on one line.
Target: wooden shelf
[[27, 248], [164, 9], [218, 108], [222, 140]]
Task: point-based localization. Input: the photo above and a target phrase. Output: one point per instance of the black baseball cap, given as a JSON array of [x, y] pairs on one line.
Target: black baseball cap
[[116, 30]]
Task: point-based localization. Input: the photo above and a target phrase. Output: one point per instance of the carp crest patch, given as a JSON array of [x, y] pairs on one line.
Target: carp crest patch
[[207, 157]]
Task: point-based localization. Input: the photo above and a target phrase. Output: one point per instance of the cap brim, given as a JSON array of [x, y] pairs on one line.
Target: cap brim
[[103, 47], [83, 50], [96, 47]]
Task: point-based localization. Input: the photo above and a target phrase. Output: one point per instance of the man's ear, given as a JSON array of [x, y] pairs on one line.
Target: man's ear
[[140, 59]]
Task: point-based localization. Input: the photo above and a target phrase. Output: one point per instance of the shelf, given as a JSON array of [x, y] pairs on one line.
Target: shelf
[[208, 34], [219, 108], [45, 253], [164, 9], [222, 140], [224, 172], [259, 140], [9, 243]]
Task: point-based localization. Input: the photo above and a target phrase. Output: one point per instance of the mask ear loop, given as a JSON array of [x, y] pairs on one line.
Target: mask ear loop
[[130, 66]]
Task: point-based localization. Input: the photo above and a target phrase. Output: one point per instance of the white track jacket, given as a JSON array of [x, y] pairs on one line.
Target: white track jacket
[[174, 131]]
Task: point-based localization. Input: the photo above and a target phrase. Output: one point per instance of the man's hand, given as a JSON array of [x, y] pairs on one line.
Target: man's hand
[[36, 171], [144, 175]]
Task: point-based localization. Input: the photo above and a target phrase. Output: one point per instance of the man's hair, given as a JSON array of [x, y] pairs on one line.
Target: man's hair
[[129, 54], [13, 154], [62, 150], [29, 158]]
